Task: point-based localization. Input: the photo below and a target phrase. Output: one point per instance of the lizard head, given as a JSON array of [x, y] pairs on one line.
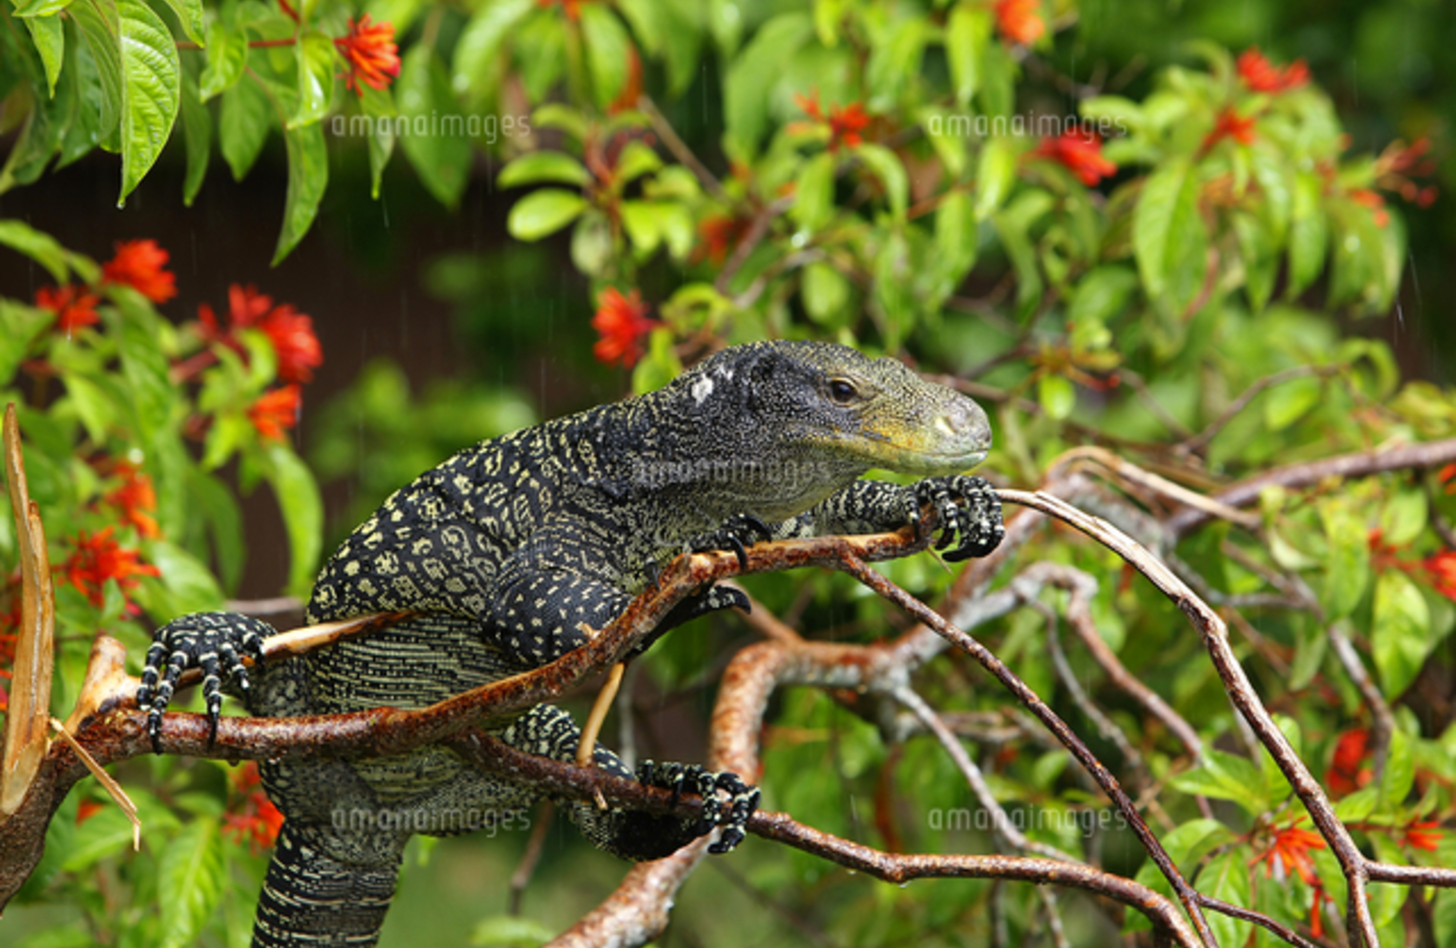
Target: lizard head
[[832, 405]]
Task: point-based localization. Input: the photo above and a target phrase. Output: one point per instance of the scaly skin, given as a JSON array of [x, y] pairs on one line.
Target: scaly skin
[[509, 547]]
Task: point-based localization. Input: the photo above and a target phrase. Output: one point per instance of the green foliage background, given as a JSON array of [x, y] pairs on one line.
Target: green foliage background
[[965, 254]]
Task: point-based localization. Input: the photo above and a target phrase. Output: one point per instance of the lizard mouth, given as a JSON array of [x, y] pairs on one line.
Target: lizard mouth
[[955, 439]]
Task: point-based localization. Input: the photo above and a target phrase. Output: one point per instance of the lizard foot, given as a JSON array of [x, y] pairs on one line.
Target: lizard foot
[[731, 813], [737, 533], [964, 505], [214, 642]]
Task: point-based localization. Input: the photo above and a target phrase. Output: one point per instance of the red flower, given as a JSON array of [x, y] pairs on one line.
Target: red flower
[[1260, 75], [572, 8], [1291, 850], [1020, 20], [276, 411], [136, 497], [1371, 199], [1442, 571], [245, 307], [622, 322], [1423, 835], [1345, 774], [293, 339], [370, 51], [845, 124], [1079, 151], [97, 559], [1447, 476], [73, 306], [717, 235], [257, 819], [1230, 124], [140, 264], [87, 809]]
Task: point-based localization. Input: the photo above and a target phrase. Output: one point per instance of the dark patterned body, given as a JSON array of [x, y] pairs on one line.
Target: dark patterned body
[[511, 547]]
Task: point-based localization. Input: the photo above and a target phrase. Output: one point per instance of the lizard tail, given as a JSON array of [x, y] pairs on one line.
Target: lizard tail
[[311, 899]]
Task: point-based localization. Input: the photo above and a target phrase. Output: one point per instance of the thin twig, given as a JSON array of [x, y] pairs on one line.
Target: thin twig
[[680, 150]]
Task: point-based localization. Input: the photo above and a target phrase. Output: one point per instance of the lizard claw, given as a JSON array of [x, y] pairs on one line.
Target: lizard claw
[[967, 508], [737, 533], [216, 643], [731, 814]]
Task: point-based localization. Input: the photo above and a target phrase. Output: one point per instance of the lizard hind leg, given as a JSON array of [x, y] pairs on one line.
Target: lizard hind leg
[[311, 897]]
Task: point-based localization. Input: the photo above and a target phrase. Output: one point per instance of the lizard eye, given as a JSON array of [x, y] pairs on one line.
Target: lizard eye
[[842, 391]]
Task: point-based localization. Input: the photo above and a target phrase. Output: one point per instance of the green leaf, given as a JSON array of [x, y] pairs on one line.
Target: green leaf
[[1400, 771], [189, 583], [543, 212], [1225, 777], [1101, 295], [608, 49], [303, 514], [192, 870], [38, 246], [243, 126], [1347, 567], [50, 41], [995, 174], [189, 14], [105, 834], [956, 237], [825, 292], [1169, 238], [649, 223], [308, 177], [1057, 396], [591, 243], [151, 90], [813, 205], [227, 58], [967, 32], [539, 166], [83, 132], [1404, 517], [895, 57], [753, 74], [887, 167], [439, 150], [480, 42], [1287, 403], [314, 56], [378, 105], [510, 931], [197, 133], [145, 368], [101, 28], [1400, 637]]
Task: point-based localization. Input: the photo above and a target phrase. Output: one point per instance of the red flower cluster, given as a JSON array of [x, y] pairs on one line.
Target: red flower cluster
[[1260, 75], [1081, 152], [845, 124], [1347, 771], [370, 51], [717, 235], [1441, 570], [1290, 850], [276, 411], [290, 331], [256, 820], [1020, 20], [135, 497], [1423, 834], [99, 558], [141, 264], [73, 306], [1230, 124], [622, 322]]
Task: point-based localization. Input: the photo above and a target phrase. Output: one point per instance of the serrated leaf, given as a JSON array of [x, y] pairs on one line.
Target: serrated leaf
[[189, 14], [196, 133], [192, 871], [1400, 637], [543, 212], [308, 177], [314, 58], [243, 126], [151, 90], [543, 166], [441, 157], [227, 58], [303, 514]]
